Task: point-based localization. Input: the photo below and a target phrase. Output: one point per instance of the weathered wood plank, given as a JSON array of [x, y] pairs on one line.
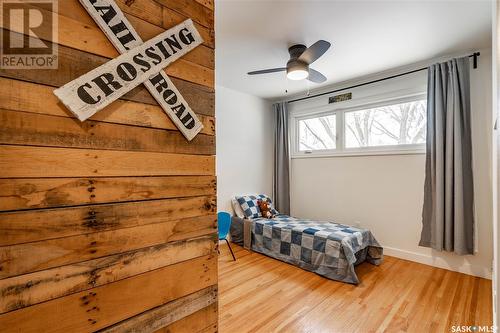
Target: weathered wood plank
[[213, 328], [23, 128], [74, 63], [192, 9], [29, 289], [36, 98], [207, 3], [105, 305], [29, 193], [148, 10], [202, 321], [36, 225], [192, 73], [37, 162], [167, 314], [19, 259]]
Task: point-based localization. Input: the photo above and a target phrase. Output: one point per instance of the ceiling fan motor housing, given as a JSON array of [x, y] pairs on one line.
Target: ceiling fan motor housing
[[296, 50], [294, 64]]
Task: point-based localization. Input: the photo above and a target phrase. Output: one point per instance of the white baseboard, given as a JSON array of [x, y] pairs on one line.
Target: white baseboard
[[438, 262]]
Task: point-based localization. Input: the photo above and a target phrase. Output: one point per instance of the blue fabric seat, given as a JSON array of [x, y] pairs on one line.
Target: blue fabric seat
[[224, 223]]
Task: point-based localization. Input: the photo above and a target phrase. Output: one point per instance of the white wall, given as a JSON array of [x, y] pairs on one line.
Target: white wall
[[244, 145], [385, 193]]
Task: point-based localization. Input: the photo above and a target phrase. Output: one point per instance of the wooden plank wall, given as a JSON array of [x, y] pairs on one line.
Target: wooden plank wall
[[108, 225]]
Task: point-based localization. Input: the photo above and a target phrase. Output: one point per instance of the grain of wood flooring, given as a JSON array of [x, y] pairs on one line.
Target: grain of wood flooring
[[261, 294]]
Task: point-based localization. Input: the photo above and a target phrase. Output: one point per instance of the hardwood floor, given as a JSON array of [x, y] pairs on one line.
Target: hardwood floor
[[261, 294]]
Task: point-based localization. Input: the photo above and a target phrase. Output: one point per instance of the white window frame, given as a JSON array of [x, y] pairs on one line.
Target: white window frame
[[339, 111], [316, 115]]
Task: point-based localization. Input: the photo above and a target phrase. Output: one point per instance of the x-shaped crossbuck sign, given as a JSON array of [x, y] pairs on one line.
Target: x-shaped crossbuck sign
[[138, 63]]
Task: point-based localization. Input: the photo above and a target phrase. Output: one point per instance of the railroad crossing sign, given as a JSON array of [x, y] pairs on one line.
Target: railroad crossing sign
[[138, 63]]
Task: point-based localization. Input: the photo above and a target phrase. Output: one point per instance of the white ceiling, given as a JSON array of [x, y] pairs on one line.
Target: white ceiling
[[367, 37]]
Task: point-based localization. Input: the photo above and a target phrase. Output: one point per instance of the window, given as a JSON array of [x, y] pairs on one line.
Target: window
[[396, 124], [318, 133], [392, 126]]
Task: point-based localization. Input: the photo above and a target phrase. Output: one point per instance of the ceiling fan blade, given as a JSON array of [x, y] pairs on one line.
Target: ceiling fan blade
[[313, 52], [315, 76], [265, 71]]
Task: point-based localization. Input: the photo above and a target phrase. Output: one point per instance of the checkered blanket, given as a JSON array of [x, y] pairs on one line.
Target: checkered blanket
[[329, 249]]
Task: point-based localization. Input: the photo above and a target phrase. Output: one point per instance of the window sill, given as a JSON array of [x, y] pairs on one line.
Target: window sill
[[351, 153]]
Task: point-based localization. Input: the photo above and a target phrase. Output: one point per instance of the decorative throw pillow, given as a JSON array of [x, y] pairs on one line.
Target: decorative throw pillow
[[237, 208], [248, 204]]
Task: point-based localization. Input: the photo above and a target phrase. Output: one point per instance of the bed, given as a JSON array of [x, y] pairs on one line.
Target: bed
[[329, 249]]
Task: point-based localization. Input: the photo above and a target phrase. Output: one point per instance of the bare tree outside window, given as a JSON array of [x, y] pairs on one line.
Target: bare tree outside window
[[317, 133], [397, 124]]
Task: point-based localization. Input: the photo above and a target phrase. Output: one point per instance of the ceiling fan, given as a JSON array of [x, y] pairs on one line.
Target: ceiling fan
[[297, 68]]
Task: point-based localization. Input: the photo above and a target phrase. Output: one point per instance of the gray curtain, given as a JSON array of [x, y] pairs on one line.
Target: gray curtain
[[281, 174], [448, 212]]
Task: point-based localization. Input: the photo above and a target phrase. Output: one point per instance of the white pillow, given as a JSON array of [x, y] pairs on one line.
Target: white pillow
[[237, 208]]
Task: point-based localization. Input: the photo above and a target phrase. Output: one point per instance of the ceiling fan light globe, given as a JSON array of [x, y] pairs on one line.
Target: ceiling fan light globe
[[298, 74], [297, 70]]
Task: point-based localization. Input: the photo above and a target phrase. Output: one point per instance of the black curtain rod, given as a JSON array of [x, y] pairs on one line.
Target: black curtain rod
[[473, 55]]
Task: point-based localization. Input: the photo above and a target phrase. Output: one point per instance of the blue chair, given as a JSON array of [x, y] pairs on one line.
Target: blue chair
[[224, 223]]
